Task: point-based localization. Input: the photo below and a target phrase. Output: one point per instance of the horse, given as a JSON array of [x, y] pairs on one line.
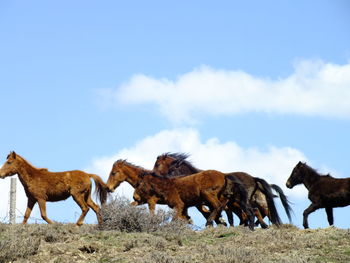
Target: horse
[[125, 171], [325, 191], [209, 187], [259, 191], [41, 186]]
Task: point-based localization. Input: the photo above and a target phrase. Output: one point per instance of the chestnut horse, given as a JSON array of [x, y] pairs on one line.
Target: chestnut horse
[[259, 191], [41, 186], [209, 187], [124, 171], [325, 191]]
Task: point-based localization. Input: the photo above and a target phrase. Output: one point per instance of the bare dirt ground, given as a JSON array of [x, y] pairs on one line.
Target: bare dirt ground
[[173, 243]]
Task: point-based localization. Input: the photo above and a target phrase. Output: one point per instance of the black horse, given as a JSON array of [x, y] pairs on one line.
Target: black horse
[[325, 191]]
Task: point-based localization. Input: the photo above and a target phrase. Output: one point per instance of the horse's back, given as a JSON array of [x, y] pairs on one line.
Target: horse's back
[[62, 183], [245, 178], [210, 178], [334, 192]]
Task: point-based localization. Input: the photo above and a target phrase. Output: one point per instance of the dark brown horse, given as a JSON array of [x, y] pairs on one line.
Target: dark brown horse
[[209, 187], [124, 171], [259, 192], [325, 191], [41, 186]]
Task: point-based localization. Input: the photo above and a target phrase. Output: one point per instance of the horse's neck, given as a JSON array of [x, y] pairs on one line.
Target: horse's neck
[[159, 185], [310, 177], [185, 170], [134, 175], [26, 172]]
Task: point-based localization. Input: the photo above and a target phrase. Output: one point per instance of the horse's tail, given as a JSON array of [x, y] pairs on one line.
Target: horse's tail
[[102, 189], [265, 188], [235, 191], [284, 200]]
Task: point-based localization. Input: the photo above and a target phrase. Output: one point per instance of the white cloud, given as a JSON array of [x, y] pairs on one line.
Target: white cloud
[[314, 88], [274, 164]]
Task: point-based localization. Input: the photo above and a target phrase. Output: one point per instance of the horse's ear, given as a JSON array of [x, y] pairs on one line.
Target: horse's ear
[[12, 154]]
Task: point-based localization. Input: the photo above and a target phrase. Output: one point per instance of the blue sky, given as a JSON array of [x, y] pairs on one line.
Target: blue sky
[[260, 84]]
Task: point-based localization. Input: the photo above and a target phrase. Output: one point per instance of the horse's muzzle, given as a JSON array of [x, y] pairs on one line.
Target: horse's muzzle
[[289, 185], [110, 189]]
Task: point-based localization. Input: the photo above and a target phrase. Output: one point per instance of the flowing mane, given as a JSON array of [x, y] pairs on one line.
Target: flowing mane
[[314, 171], [180, 160]]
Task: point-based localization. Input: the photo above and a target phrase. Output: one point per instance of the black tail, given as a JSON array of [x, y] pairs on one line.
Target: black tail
[[265, 188], [235, 191], [284, 200]]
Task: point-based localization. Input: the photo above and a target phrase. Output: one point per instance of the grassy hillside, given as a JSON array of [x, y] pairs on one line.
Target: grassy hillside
[[129, 234], [68, 243]]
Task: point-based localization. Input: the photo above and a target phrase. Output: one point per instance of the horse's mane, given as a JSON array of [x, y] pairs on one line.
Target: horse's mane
[[29, 164], [181, 158], [153, 174], [125, 162], [314, 171]]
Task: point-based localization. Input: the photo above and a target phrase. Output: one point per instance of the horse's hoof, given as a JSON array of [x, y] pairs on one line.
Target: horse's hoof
[[209, 224], [264, 226], [222, 221]]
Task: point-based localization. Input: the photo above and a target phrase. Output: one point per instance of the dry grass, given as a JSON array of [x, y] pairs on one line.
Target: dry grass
[[118, 214], [166, 242]]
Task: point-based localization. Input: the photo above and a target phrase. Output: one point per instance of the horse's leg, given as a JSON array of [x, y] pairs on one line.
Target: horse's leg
[[137, 199], [30, 205], [42, 206], [185, 215], [263, 215], [206, 213], [260, 218], [96, 209], [152, 201], [80, 199], [178, 205], [238, 212], [216, 206], [329, 211], [249, 214], [180, 211], [313, 207], [229, 215]]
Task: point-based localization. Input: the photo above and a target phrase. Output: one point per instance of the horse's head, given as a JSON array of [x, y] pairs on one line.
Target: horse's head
[[162, 164], [117, 175], [297, 175], [10, 167], [172, 164]]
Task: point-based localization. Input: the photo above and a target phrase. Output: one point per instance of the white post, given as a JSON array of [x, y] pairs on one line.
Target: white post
[[13, 201]]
